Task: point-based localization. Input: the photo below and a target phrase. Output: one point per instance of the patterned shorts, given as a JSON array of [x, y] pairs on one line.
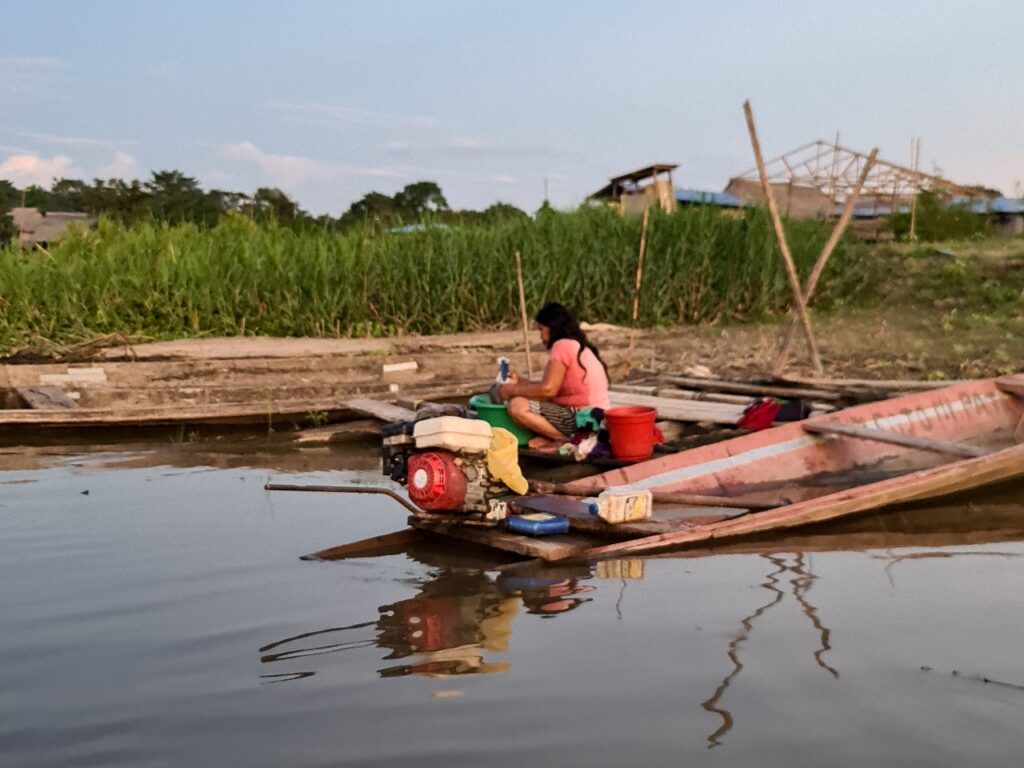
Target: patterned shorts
[[562, 417]]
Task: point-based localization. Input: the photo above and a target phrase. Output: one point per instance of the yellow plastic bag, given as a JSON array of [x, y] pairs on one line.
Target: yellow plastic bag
[[503, 460]]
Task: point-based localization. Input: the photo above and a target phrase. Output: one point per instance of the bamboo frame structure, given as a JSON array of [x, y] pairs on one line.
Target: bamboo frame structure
[[835, 169]]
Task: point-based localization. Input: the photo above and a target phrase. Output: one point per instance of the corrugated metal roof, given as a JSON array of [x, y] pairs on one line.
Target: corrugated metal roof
[[705, 197], [1006, 205]]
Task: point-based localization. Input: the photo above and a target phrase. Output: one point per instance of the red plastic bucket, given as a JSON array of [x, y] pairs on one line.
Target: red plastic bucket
[[631, 430]]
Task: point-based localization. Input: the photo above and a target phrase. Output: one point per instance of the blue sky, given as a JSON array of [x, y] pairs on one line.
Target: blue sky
[[330, 100]]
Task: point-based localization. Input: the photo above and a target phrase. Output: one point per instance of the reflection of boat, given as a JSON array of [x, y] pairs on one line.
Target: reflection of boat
[[920, 446], [459, 622]]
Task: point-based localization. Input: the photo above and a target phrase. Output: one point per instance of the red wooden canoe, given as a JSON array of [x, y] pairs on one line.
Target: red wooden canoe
[[919, 446]]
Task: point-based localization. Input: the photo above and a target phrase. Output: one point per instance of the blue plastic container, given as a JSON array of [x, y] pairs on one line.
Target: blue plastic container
[[537, 524]]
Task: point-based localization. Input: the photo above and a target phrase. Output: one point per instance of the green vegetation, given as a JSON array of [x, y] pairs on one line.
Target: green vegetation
[[163, 280], [936, 219], [174, 198]]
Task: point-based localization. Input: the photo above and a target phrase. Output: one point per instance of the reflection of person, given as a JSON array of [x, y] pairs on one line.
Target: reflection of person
[[575, 377], [547, 596], [449, 627]]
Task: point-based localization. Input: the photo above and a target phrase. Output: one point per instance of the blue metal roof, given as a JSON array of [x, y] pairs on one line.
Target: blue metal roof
[[699, 196], [998, 205]]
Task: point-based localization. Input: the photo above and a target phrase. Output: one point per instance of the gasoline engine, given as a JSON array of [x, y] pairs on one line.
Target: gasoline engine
[[443, 462]]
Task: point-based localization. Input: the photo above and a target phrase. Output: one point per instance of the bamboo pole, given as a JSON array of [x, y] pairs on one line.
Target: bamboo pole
[[915, 152], [799, 305], [826, 252], [522, 314], [639, 273]]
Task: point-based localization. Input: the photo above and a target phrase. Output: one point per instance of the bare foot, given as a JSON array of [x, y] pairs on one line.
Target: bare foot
[[539, 443]]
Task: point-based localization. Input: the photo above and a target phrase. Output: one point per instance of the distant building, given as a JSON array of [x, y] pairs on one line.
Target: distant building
[[705, 197], [796, 201], [1006, 214], [635, 191], [35, 227]]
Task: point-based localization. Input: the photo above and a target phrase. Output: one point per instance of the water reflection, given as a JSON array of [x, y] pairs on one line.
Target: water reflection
[[800, 581], [459, 622]]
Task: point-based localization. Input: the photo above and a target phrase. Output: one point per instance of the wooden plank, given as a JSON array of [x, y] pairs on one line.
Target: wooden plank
[[46, 398], [681, 410], [337, 433], [580, 519], [220, 413], [549, 548], [375, 546], [378, 409], [1011, 385], [895, 438]]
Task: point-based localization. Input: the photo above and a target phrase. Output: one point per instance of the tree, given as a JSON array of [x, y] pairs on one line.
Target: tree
[[420, 197], [67, 195], [8, 199], [35, 197], [372, 208], [125, 202], [272, 203], [175, 197], [502, 212]]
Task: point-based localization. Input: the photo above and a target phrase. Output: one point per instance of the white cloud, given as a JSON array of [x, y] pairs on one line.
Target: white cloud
[[73, 141], [27, 74], [288, 171], [25, 170], [124, 166], [330, 113], [502, 179]]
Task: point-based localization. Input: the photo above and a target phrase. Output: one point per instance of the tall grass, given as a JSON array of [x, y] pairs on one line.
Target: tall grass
[[239, 278]]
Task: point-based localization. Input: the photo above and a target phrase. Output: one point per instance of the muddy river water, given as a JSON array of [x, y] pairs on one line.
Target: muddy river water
[[155, 612]]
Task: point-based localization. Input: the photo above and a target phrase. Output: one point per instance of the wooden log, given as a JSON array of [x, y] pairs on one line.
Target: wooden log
[[765, 390], [46, 398], [375, 546], [895, 438], [896, 385]]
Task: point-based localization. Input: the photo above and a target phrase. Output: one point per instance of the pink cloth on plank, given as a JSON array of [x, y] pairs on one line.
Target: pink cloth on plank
[[578, 390]]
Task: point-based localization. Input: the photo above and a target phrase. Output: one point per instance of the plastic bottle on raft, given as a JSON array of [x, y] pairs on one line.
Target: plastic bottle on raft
[[615, 506]]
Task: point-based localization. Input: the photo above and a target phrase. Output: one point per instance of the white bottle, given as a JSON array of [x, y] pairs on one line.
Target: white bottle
[[503, 369], [614, 506]]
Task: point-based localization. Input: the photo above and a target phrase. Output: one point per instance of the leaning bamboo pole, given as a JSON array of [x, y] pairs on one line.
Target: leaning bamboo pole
[[826, 252], [799, 304]]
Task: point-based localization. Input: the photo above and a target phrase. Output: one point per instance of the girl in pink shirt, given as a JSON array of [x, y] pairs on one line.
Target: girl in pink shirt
[[574, 378]]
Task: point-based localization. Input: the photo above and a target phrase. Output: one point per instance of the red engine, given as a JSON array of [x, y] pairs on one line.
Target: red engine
[[436, 482]]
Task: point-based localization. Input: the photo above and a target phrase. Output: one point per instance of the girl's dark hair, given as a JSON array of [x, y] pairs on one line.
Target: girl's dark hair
[[562, 325]]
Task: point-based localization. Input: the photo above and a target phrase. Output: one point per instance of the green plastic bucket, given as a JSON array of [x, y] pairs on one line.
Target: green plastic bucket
[[496, 414]]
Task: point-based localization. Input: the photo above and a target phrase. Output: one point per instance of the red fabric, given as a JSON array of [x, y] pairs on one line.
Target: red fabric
[[759, 415]]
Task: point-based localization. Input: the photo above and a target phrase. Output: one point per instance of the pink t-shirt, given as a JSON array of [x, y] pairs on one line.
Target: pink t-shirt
[[577, 390]]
